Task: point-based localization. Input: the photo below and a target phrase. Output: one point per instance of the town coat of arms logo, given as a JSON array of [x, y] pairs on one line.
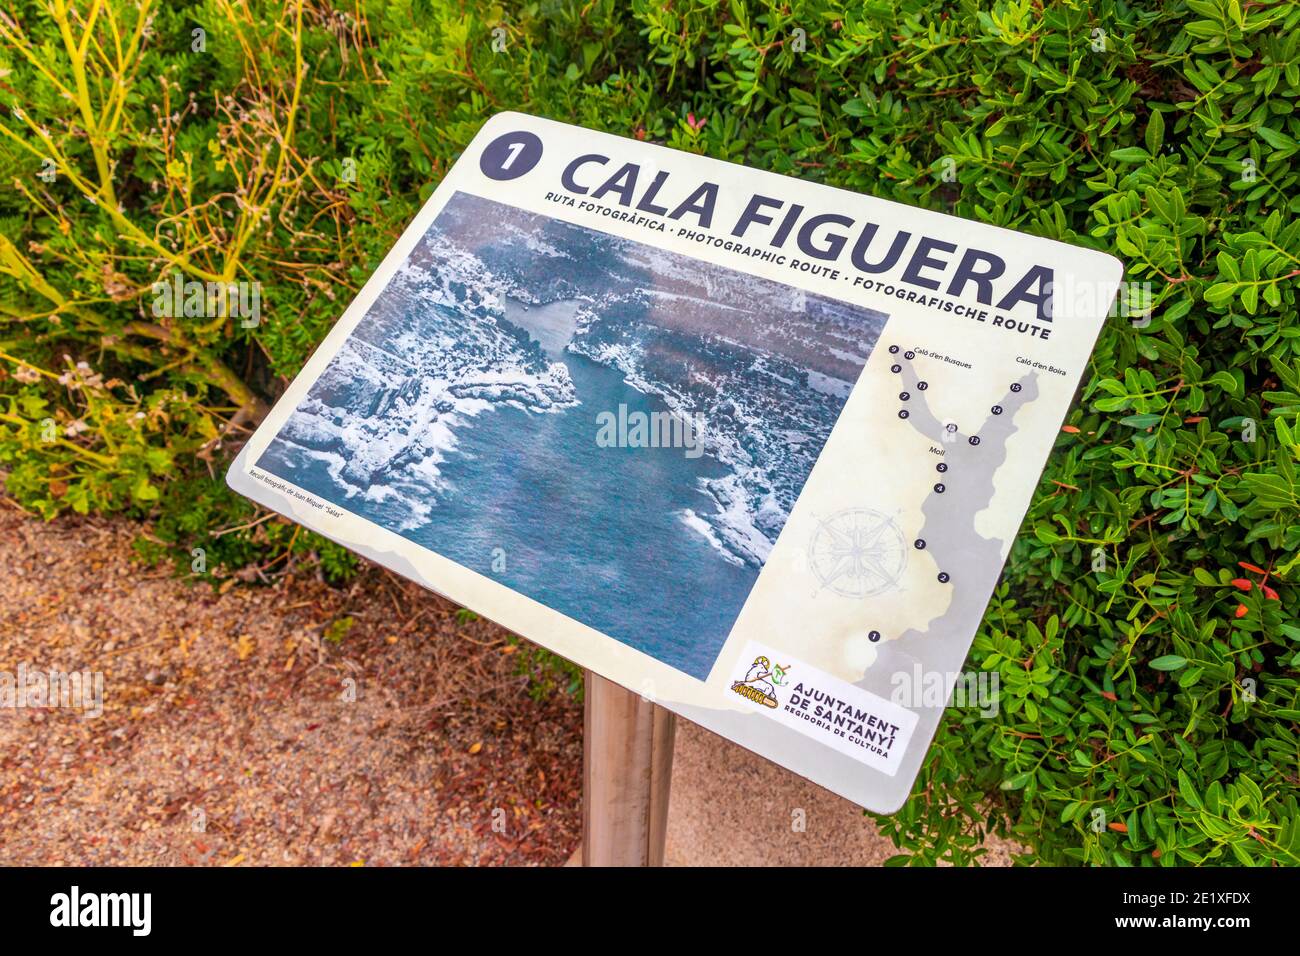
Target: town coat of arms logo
[[761, 680]]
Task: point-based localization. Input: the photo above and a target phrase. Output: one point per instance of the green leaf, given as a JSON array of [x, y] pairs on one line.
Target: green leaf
[[1130, 154], [1188, 791], [1155, 134]]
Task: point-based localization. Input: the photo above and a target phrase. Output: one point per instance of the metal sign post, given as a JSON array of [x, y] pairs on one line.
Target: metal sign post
[[627, 773]]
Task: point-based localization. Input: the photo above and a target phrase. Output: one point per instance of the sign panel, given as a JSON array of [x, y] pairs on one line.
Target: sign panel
[[753, 447]]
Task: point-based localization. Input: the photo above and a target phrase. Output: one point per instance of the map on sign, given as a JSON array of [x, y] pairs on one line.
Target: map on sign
[[753, 447]]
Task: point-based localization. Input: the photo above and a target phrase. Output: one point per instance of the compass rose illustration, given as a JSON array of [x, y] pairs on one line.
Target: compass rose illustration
[[857, 553]]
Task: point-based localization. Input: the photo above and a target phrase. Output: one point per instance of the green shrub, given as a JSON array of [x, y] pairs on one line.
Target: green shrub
[[1143, 633]]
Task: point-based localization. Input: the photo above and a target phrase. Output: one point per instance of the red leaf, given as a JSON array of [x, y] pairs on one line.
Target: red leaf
[[1109, 695], [1070, 429], [1269, 593], [1242, 584], [1251, 567], [1242, 610], [1118, 827]]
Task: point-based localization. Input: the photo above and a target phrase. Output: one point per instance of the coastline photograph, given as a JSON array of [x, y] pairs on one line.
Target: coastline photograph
[[612, 430]]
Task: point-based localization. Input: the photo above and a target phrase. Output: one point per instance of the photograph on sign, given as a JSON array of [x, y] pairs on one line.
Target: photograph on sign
[[750, 446], [519, 418]]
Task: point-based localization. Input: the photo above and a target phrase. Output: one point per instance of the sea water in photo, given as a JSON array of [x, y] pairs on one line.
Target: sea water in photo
[[612, 430]]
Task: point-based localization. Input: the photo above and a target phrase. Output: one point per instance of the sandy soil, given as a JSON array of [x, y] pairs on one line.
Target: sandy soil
[[229, 733], [730, 808]]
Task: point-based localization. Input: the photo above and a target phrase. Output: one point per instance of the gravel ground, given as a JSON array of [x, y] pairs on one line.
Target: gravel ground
[[228, 736], [730, 808]]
